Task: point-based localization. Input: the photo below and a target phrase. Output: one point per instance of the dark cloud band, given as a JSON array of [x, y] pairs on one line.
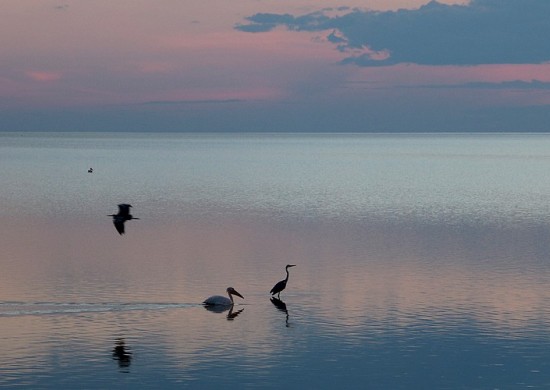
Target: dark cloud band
[[481, 32]]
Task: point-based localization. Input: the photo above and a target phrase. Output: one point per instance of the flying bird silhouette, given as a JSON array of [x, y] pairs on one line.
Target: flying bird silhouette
[[282, 284], [122, 216]]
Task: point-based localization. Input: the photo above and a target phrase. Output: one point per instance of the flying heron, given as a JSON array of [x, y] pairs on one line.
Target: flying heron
[[218, 300], [122, 216], [282, 284]]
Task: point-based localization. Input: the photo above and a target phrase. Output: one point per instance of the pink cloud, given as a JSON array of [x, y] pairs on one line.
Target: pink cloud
[[43, 76], [216, 94], [156, 67]]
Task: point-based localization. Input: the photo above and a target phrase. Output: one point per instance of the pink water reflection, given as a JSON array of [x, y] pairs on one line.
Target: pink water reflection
[[496, 277]]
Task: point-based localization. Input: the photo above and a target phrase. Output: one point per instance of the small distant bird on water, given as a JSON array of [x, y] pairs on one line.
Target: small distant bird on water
[[91, 170], [218, 300], [122, 216], [282, 284]]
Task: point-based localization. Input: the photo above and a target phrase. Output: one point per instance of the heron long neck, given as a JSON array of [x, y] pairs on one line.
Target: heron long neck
[[230, 297], [287, 274]]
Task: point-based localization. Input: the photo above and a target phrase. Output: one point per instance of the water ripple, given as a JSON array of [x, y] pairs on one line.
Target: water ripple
[[11, 309]]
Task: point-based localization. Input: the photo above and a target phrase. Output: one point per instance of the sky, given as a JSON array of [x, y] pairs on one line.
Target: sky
[[275, 65]]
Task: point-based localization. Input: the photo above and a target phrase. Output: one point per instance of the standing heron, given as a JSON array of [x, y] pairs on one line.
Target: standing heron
[[282, 284], [218, 300], [122, 216]]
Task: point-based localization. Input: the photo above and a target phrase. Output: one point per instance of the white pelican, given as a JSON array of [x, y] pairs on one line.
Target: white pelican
[[122, 216], [282, 284], [218, 300]]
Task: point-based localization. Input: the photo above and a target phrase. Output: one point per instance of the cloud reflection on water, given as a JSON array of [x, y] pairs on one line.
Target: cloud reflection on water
[[461, 273], [356, 285], [362, 269]]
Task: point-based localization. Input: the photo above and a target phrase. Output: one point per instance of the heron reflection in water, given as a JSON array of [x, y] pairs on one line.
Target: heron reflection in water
[[281, 306], [280, 286], [122, 354], [122, 216]]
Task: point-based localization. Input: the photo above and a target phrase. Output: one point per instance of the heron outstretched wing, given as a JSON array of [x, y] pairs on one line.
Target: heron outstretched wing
[[119, 225], [124, 210]]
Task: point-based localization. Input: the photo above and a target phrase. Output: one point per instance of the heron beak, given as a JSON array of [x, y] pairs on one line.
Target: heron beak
[[292, 265], [235, 292]]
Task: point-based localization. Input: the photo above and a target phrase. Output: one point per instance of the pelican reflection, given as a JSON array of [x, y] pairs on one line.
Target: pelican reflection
[[281, 306], [233, 314], [220, 309], [122, 355]]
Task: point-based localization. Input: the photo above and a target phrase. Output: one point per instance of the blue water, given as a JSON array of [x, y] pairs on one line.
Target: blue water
[[422, 261]]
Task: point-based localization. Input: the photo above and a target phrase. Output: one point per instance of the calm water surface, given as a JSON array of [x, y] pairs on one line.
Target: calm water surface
[[423, 262]]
